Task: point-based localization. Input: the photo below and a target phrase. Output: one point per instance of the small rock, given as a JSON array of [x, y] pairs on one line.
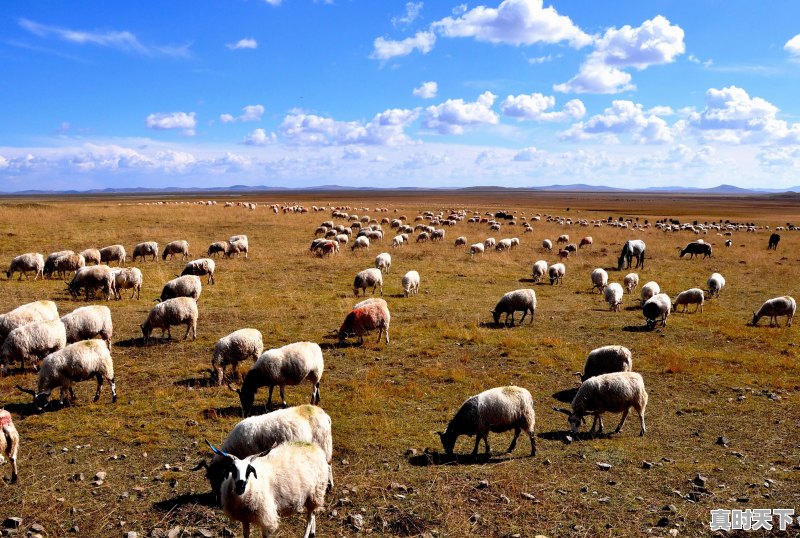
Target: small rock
[[700, 480], [124, 495], [673, 532], [345, 462], [395, 486], [604, 466], [204, 533], [547, 462], [604, 500], [36, 528], [483, 484], [12, 522], [131, 534], [722, 440], [356, 521], [474, 518], [77, 477], [344, 501], [97, 483], [528, 496], [100, 475], [670, 508], [742, 499], [158, 532], [174, 532], [568, 439], [193, 423]]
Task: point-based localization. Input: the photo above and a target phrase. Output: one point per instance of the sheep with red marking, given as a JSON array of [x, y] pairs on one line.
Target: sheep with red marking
[[9, 442], [364, 319]]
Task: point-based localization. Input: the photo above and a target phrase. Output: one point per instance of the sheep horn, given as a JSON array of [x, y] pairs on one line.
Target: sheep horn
[[26, 391], [218, 451], [562, 410], [201, 465]]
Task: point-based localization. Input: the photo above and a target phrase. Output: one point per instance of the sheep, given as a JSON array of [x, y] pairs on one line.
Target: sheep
[[364, 318], [613, 295], [497, 410], [518, 300], [50, 262], [614, 392], [148, 248], [649, 290], [237, 244], [477, 248], [113, 253], [91, 279], [262, 488], [599, 279], [27, 313], [631, 282], [696, 248], [503, 245], [183, 286], [397, 241], [605, 360], [371, 300], [423, 237], [368, 278], [288, 365], [563, 254], [74, 363], [66, 263], [779, 306], [411, 283], [383, 261], [200, 267], [586, 242], [514, 242], [9, 442], [547, 245], [489, 242], [305, 423], [92, 255], [218, 247], [774, 239], [234, 348], [24, 263], [87, 322], [176, 247], [556, 273], [728, 243], [460, 241], [658, 306], [715, 284], [343, 239], [32, 341], [693, 296], [177, 311], [360, 242], [129, 278], [563, 239]]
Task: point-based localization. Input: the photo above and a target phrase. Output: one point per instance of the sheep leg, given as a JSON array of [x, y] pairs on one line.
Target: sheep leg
[[245, 529], [477, 442], [513, 444], [600, 420], [188, 328], [486, 445], [269, 398], [99, 386], [283, 396], [316, 393], [641, 420], [113, 390], [533, 442], [311, 525], [524, 313], [622, 422]]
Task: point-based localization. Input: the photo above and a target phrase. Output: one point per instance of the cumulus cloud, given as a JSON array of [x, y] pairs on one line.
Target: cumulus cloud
[[793, 46], [354, 153], [162, 121], [655, 42], [526, 154], [259, 137], [426, 91], [453, 115], [386, 49], [385, 129], [536, 106], [226, 118], [252, 113], [622, 117], [411, 14], [246, 43]]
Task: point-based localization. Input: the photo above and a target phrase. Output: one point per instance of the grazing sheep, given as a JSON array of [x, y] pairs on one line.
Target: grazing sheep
[[503, 245], [32, 341], [411, 283], [397, 241], [497, 410], [605, 360], [113, 253], [262, 488], [176, 247], [563, 239], [423, 237], [461, 241], [715, 284], [694, 296], [201, 267], [634, 248], [563, 254], [586, 242], [658, 306], [24, 263], [87, 322], [489, 242], [615, 392], [514, 242], [343, 239], [779, 306], [183, 286], [74, 363], [538, 270], [599, 279], [613, 295], [177, 311], [696, 248], [383, 261], [556, 273], [477, 248], [50, 262], [9, 442], [92, 255], [774, 239], [238, 244], [253, 435], [234, 348], [90, 279], [572, 248], [631, 282], [649, 290], [289, 365], [518, 300], [27, 313], [728, 243], [129, 278], [148, 248], [371, 300], [368, 278], [547, 245], [61, 265], [364, 318], [217, 247], [360, 242]]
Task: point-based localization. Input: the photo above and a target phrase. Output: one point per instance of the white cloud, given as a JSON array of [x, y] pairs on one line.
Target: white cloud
[[793, 46], [226, 118], [386, 49], [252, 113], [354, 153], [245, 43], [535, 107], [173, 120], [259, 137], [385, 129], [273, 2], [451, 116], [655, 42], [527, 155], [780, 157], [623, 117], [540, 59], [514, 22], [661, 111], [411, 14], [426, 91]]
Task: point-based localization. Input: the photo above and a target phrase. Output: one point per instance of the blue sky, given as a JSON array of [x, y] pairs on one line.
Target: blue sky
[[395, 93]]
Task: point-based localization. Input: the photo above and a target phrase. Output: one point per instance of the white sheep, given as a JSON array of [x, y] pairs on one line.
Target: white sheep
[[148, 248], [92, 255], [489, 242], [411, 283], [497, 410], [27, 313], [398, 241], [176, 247], [289, 365], [238, 244], [518, 300], [477, 248], [33, 341], [556, 273], [547, 244], [599, 279], [383, 261], [368, 278], [613, 295], [177, 311], [113, 253], [366, 316], [649, 290], [694, 296], [360, 242], [76, 362], [605, 360], [9, 442], [87, 322], [657, 307], [201, 267], [50, 262], [25, 263], [217, 247], [91, 279], [460, 241], [538, 270], [234, 348], [128, 278], [503, 245], [715, 284], [182, 286], [66, 263], [631, 282], [779, 306], [563, 239]]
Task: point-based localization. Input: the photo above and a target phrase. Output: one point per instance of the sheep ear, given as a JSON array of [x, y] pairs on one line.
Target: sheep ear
[[250, 470], [26, 391]]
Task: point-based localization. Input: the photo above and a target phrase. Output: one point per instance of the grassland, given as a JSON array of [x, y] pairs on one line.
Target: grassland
[[708, 374]]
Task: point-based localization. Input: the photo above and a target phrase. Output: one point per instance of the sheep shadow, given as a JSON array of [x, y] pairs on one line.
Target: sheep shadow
[[529, 281], [561, 435], [633, 308], [27, 409], [638, 329], [397, 296], [566, 395], [203, 499], [439, 458], [228, 411], [502, 325], [197, 382]]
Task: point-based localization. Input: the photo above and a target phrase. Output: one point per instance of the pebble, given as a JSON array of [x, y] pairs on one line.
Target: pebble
[[528, 496], [132, 534], [204, 533], [722, 440], [604, 466], [356, 521], [700, 480], [174, 532], [647, 465], [100, 475]]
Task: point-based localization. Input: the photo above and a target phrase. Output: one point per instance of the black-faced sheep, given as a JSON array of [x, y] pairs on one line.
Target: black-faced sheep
[[183, 286]]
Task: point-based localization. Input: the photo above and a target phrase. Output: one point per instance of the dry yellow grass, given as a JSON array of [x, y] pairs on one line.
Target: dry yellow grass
[[387, 399]]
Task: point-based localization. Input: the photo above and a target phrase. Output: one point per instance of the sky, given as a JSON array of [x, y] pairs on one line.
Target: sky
[[384, 93]]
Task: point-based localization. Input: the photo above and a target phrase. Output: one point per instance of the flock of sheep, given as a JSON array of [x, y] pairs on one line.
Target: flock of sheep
[[274, 464]]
